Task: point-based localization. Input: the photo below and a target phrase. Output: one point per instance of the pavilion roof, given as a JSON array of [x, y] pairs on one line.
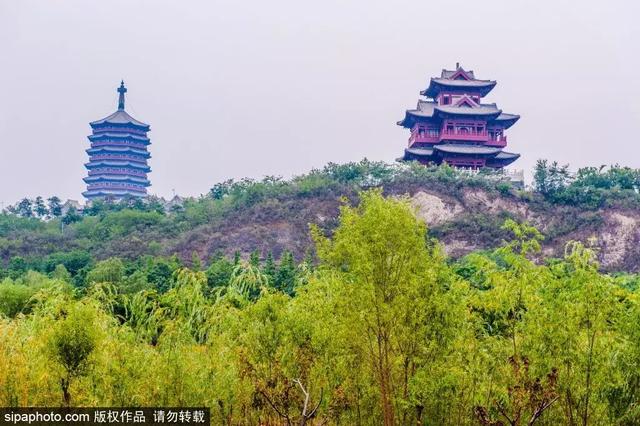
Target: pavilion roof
[[457, 80], [436, 85], [450, 148], [502, 159], [481, 109], [430, 109], [507, 120], [419, 151], [450, 73], [504, 155]]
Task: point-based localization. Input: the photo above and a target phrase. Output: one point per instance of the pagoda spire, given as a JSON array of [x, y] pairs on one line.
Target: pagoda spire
[[121, 90]]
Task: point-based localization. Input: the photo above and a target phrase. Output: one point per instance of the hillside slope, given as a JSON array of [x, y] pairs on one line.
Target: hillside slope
[[464, 211], [464, 220]]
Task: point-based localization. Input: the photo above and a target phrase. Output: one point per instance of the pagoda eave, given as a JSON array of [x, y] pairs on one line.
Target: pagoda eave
[[115, 193], [437, 85], [113, 178]]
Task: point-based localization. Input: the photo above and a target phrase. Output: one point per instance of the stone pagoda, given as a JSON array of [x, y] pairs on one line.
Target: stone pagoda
[[118, 155]]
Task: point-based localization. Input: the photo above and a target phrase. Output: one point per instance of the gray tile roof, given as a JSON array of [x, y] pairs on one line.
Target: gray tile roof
[[117, 163], [450, 73], [119, 117], [482, 109], [463, 83], [118, 149], [427, 109], [107, 177], [419, 151], [114, 192], [507, 120], [437, 84], [118, 136], [503, 155], [466, 149]]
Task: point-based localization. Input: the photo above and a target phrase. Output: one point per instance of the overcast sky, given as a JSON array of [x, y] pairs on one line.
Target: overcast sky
[[253, 88]]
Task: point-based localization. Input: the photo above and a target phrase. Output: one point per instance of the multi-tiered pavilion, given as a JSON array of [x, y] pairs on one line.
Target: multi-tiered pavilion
[[118, 156], [453, 126]]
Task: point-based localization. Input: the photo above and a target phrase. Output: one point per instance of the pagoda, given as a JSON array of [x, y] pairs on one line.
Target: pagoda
[[454, 126], [118, 156]]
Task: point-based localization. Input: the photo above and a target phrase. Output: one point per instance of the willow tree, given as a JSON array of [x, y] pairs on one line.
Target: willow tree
[[389, 295]]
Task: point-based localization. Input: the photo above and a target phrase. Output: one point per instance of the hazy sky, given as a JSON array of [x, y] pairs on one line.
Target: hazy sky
[[252, 88]]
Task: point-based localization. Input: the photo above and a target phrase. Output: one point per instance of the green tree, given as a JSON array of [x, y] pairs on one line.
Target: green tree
[[107, 271], [270, 268], [40, 208], [286, 274], [72, 344], [55, 206], [550, 179], [71, 216], [390, 281], [25, 208]]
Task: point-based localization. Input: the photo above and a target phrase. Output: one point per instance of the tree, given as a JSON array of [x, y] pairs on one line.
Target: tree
[[73, 261], [269, 268], [107, 271], [550, 179], [25, 208], [72, 343], [219, 272], [248, 280], [220, 190], [71, 216], [61, 273], [14, 298], [286, 275], [40, 208], [390, 294], [527, 398], [160, 274], [55, 206], [17, 266]]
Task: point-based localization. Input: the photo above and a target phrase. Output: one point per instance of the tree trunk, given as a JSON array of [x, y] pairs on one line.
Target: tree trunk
[[66, 396]]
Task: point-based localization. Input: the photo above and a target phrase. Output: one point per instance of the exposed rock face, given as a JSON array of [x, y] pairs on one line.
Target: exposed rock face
[[464, 220], [615, 234], [433, 210], [618, 238]]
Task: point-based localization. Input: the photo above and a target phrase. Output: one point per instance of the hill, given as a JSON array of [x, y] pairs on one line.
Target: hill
[[464, 211]]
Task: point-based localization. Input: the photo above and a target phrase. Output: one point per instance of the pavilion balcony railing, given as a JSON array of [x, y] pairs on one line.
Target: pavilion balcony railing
[[423, 137], [119, 143], [99, 172], [464, 136], [497, 141], [119, 130], [116, 185], [118, 157]]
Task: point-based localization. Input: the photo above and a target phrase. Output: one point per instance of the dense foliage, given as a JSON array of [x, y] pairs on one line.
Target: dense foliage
[[590, 187], [381, 328]]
